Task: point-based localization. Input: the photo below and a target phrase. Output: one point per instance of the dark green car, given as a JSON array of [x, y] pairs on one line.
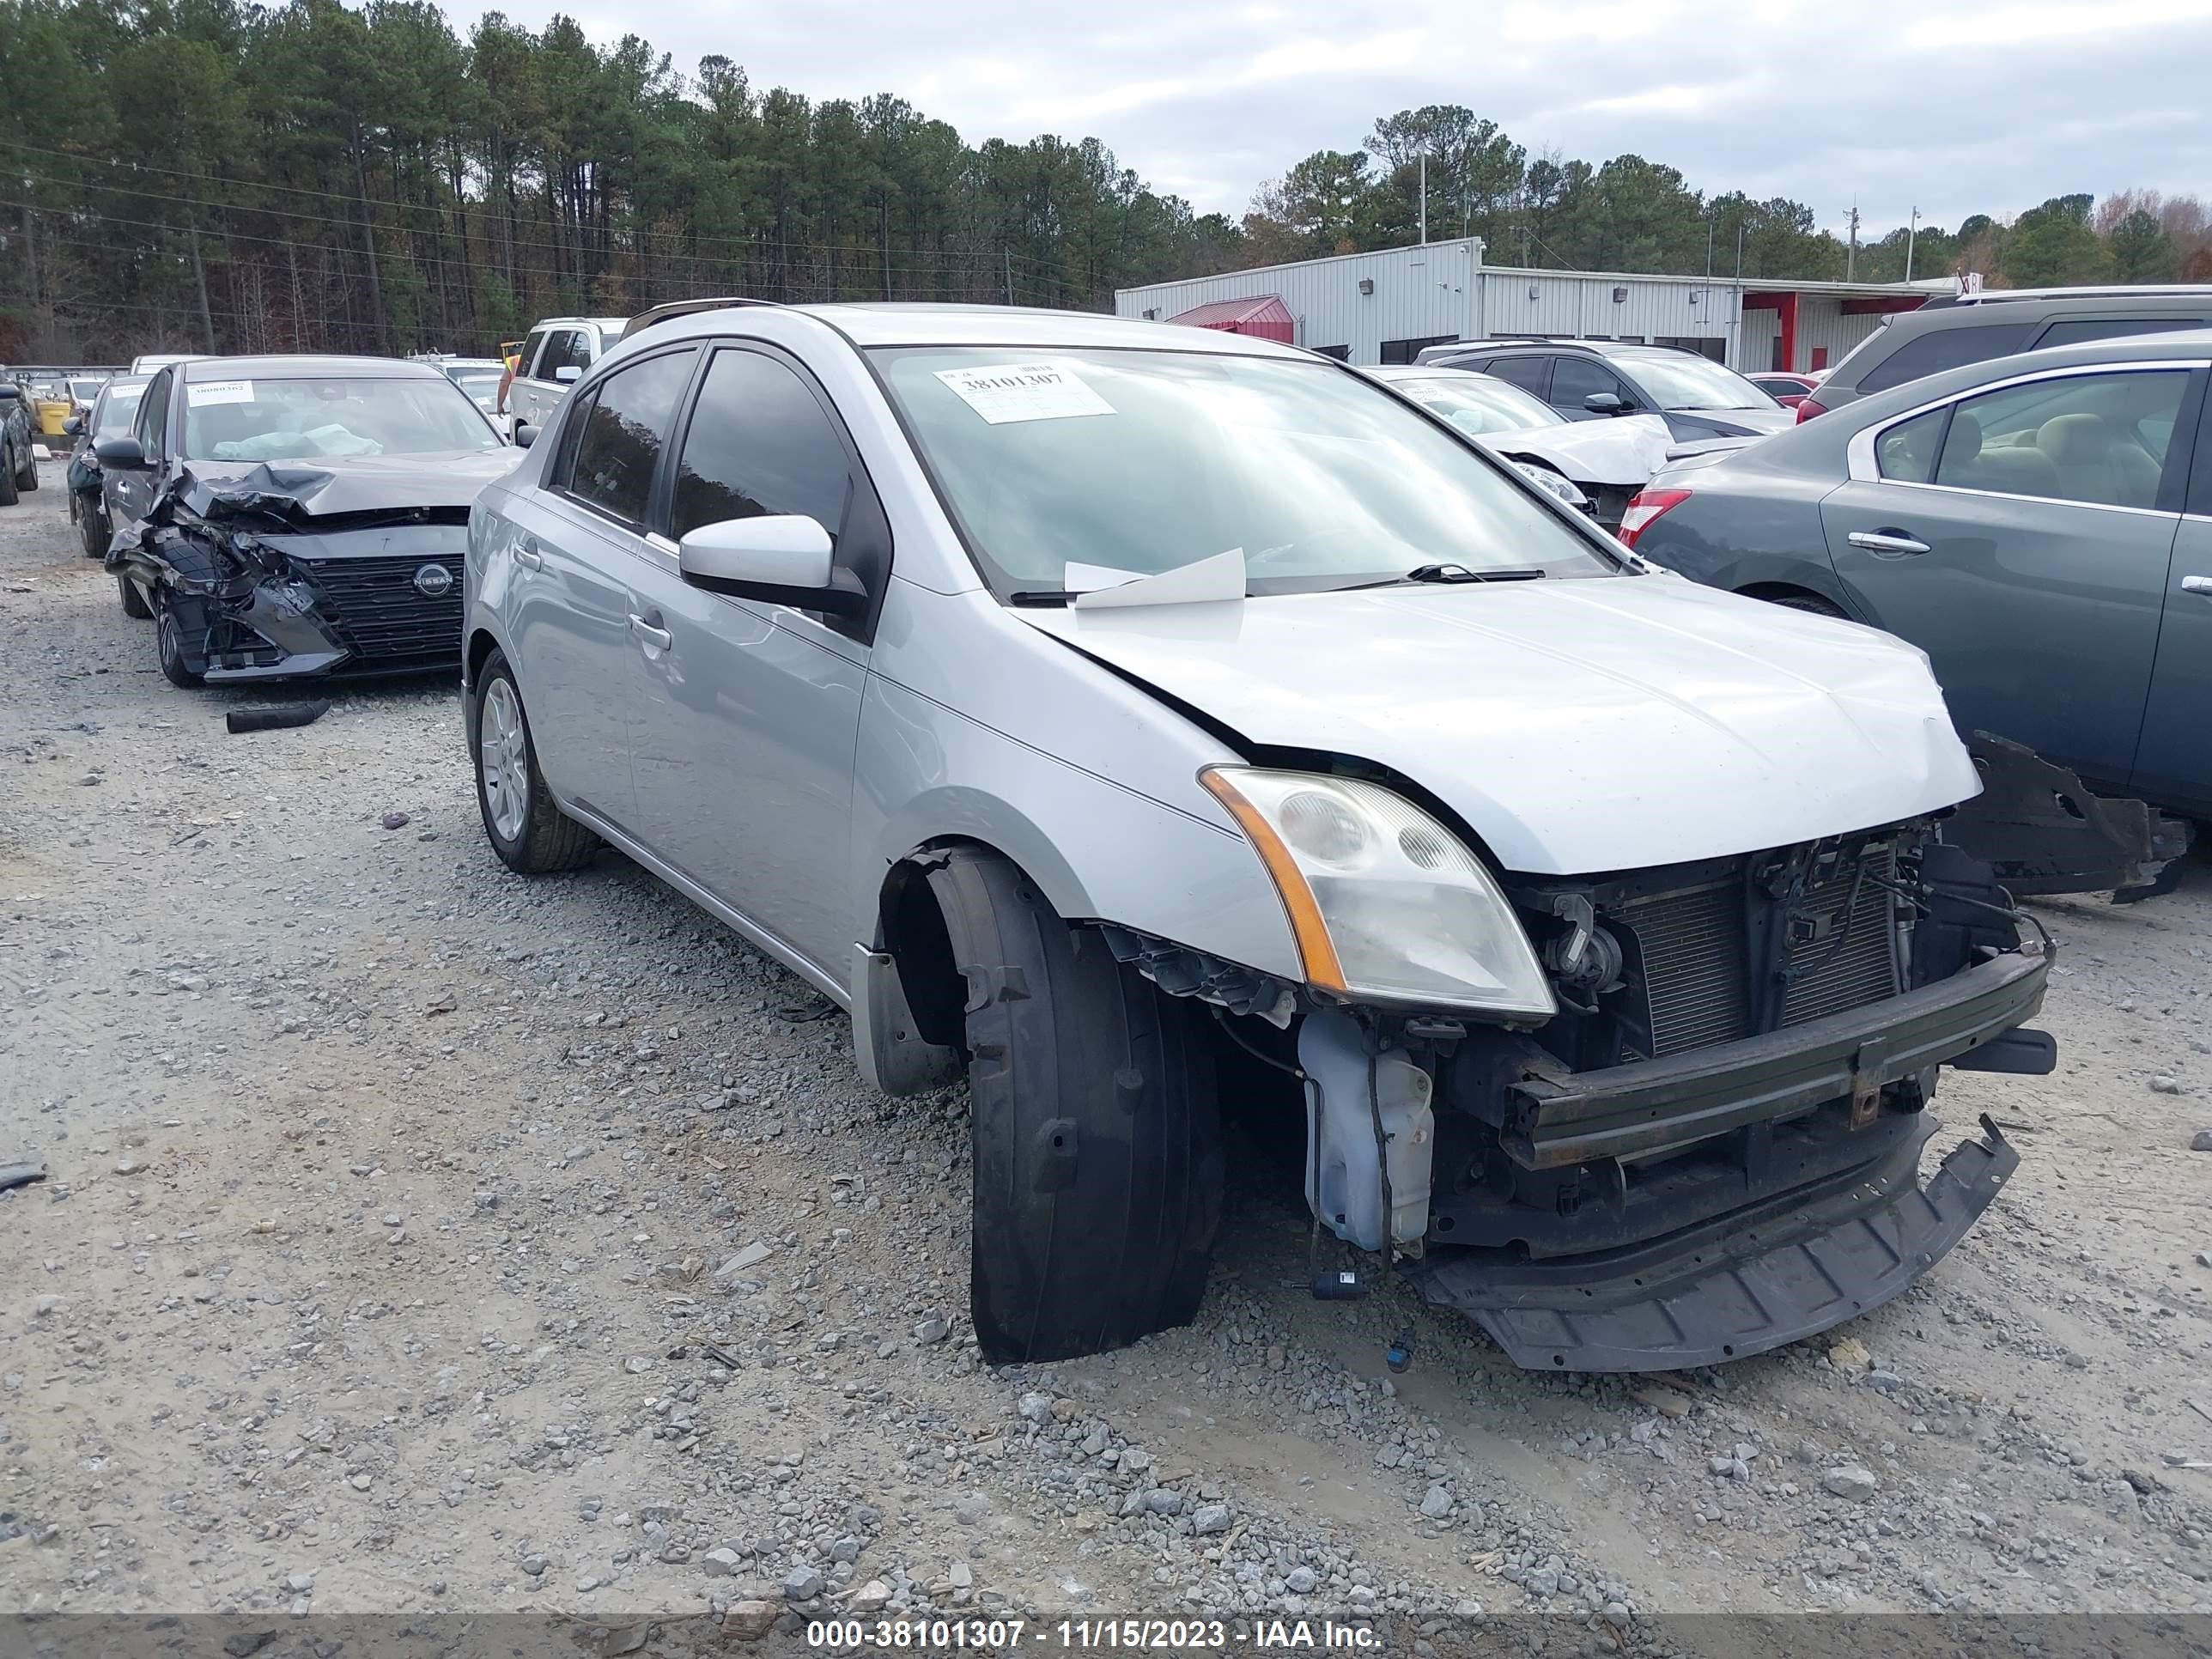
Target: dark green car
[[2040, 525]]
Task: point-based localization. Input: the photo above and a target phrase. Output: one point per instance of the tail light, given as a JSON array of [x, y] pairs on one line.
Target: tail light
[[1809, 408], [1642, 507]]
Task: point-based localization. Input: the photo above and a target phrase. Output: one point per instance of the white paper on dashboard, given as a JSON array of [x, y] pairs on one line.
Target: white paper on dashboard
[[1207, 581], [218, 392], [1006, 392]]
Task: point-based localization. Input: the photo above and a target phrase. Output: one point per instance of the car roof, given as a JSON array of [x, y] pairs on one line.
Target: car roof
[[1602, 348], [306, 367], [468, 362], [2143, 293], [614, 323], [125, 382], [896, 323]]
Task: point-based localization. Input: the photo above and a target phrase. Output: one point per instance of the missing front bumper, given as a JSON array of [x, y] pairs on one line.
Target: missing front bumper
[[1736, 1286]]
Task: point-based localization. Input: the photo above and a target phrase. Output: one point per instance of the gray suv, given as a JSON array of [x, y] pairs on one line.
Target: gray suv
[[1954, 332], [1596, 379], [1134, 718]]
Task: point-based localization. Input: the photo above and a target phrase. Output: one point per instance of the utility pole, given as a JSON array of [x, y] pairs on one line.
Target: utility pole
[[1911, 235], [1852, 253], [1424, 198], [1007, 253]]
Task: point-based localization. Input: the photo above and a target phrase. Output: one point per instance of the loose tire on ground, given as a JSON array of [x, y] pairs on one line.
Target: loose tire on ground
[[1095, 1123], [169, 648], [134, 601], [545, 838]]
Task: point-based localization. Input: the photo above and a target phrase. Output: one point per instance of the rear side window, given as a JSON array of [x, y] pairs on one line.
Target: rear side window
[[2072, 330], [526, 365], [2100, 440], [1945, 348], [1528, 372], [619, 438], [759, 443], [1906, 452]]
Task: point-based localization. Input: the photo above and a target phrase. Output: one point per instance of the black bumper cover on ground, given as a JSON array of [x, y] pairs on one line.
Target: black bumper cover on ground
[[1739, 1285]]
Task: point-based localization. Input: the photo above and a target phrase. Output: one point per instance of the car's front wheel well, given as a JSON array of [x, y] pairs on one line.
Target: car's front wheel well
[[911, 927], [481, 645], [1796, 598]]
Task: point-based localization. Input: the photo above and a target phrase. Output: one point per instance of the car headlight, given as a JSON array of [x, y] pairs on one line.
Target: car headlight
[[1385, 902]]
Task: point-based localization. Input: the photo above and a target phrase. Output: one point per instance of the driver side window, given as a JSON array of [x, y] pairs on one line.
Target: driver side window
[[153, 413]]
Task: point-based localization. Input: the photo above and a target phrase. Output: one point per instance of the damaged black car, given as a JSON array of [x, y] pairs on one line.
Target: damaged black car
[[280, 518]]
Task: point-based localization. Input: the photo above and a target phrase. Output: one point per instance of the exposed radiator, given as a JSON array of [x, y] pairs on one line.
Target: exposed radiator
[[1695, 950]]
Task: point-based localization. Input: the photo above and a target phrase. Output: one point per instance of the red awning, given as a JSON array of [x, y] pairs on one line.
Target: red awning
[[1265, 316]]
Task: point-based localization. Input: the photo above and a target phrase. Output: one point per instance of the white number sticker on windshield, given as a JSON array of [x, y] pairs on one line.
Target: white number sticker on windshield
[[218, 392], [1024, 391]]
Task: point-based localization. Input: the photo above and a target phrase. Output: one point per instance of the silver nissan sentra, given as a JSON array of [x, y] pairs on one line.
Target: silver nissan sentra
[[1138, 720]]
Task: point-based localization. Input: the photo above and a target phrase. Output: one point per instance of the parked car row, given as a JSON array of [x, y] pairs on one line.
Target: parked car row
[[1121, 718]]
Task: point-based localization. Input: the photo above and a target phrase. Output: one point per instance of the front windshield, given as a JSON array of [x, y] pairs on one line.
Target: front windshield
[[1477, 404], [117, 408], [1687, 382], [260, 419], [1145, 461]]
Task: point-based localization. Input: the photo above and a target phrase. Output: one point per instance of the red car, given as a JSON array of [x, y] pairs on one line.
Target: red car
[[1787, 388]]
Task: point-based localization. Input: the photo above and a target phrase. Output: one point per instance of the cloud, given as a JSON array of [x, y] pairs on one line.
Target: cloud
[[1956, 107]]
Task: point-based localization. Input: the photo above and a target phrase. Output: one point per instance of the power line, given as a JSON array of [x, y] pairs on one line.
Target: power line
[[485, 203]]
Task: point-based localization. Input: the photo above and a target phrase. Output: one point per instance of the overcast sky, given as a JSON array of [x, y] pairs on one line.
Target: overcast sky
[[1956, 105]]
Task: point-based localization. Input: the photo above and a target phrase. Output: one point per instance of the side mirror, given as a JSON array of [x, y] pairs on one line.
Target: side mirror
[[777, 558], [73, 427], [124, 454], [568, 374], [1604, 403], [524, 435]]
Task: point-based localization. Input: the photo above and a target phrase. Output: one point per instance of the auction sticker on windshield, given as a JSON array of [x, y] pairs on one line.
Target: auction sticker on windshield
[[1024, 391], [218, 392]]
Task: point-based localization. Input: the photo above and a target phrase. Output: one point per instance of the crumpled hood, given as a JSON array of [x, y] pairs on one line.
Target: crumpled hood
[[1577, 725], [1623, 451], [330, 485]]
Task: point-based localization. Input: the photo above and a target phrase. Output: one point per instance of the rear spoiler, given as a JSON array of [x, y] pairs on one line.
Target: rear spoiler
[[1707, 447]]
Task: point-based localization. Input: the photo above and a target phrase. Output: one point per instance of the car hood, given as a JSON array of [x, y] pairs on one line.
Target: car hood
[[1577, 725], [329, 486], [1623, 451]]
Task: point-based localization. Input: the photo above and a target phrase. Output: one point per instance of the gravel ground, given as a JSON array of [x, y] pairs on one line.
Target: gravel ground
[[421, 1237]]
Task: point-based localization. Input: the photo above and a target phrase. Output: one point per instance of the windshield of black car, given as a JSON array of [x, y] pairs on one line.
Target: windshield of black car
[[1142, 461], [1686, 382], [1477, 404], [257, 418], [116, 410]]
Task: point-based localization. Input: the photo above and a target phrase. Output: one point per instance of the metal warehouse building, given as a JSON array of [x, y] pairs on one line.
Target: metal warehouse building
[[1383, 307]]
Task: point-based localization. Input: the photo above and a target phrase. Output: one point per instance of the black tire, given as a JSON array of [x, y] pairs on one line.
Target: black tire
[[7, 486], [134, 602], [1095, 1128], [28, 478], [92, 532], [169, 648], [549, 839]]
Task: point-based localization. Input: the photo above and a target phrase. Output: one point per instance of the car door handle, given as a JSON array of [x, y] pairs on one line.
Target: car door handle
[[2197, 585], [1887, 543], [659, 638], [527, 555]]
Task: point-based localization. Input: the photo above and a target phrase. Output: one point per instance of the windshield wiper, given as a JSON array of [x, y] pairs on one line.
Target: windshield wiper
[[1039, 598], [1449, 575]]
